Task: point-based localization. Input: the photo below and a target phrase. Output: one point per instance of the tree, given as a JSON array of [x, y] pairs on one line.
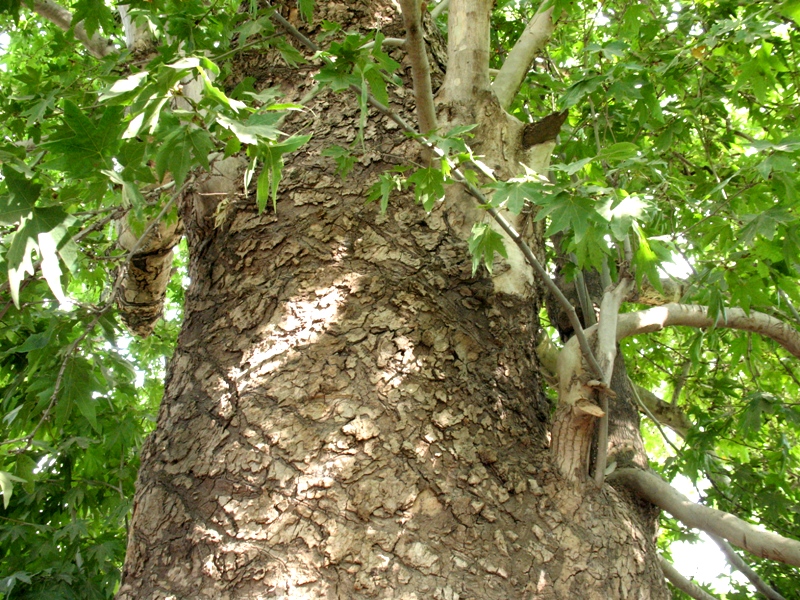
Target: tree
[[364, 400]]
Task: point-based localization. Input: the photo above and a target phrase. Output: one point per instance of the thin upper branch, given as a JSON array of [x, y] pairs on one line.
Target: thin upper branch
[[440, 8], [606, 356], [519, 59], [97, 45], [680, 582], [765, 544], [690, 315], [420, 70], [653, 406], [736, 561]]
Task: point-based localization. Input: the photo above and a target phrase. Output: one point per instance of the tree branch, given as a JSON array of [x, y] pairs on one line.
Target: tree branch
[[663, 412], [690, 315], [440, 8], [468, 28], [680, 582], [519, 59], [606, 355], [98, 46], [736, 561], [764, 544], [654, 407], [420, 70]]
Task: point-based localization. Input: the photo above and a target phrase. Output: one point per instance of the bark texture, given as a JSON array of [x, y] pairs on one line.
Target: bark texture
[[350, 414]]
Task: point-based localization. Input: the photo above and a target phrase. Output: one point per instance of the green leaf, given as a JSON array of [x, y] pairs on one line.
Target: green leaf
[[567, 212], [44, 231], [21, 199], [217, 95], [483, 243], [791, 9], [270, 177], [79, 385], [37, 341], [579, 90], [622, 214], [646, 262], [202, 145], [174, 156], [377, 85], [306, 9], [7, 481], [343, 157], [253, 132], [619, 151], [763, 224], [84, 147], [386, 184], [513, 195], [758, 404], [428, 186]]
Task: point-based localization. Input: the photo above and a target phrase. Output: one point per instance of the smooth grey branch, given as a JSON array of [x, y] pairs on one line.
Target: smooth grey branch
[[98, 46], [765, 544], [519, 59]]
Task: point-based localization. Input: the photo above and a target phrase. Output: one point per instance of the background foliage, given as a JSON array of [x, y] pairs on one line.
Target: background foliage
[[681, 146]]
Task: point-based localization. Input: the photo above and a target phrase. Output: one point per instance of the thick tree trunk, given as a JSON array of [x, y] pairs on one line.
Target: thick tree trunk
[[350, 414]]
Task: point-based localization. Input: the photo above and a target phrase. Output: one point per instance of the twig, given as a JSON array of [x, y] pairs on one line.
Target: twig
[[736, 561], [98, 225], [646, 410], [789, 303], [420, 70], [676, 393], [679, 581]]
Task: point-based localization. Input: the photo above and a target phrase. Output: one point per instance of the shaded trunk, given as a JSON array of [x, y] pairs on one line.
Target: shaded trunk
[[350, 414]]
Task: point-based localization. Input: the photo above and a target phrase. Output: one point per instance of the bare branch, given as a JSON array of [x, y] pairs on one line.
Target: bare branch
[[606, 355], [643, 408], [440, 8], [736, 561], [468, 29], [764, 544], [519, 59], [98, 46], [654, 407], [137, 37], [680, 582], [663, 412], [420, 70], [690, 315]]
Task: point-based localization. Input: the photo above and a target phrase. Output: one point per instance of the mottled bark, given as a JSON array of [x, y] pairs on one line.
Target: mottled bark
[[144, 279], [350, 414]]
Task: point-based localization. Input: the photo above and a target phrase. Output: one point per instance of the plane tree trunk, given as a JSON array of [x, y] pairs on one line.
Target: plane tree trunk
[[349, 413]]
